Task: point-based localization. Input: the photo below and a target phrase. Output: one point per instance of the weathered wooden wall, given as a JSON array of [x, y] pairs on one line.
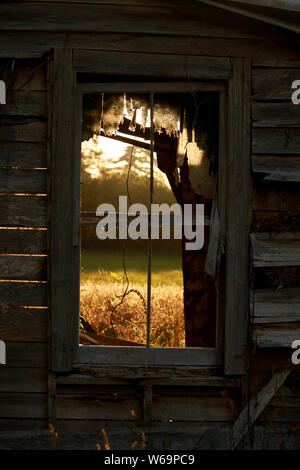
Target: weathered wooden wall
[[188, 414], [276, 211], [23, 247]]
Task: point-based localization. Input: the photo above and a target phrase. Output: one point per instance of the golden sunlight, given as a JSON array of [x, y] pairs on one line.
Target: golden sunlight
[[102, 153]]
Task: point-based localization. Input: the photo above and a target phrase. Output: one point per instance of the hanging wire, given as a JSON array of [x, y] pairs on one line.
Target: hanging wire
[[149, 237], [127, 291], [125, 247]]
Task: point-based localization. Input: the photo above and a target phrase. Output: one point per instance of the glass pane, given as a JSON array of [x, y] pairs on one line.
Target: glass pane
[[116, 162]]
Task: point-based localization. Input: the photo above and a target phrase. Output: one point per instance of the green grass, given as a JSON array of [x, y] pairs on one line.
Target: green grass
[[166, 267]]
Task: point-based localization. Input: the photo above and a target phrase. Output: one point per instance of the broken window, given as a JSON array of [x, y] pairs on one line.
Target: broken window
[[154, 147]]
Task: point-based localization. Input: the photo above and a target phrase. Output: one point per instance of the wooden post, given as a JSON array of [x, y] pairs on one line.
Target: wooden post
[[237, 219], [147, 405], [62, 250]]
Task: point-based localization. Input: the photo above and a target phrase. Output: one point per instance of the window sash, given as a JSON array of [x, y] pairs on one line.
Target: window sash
[[131, 355]]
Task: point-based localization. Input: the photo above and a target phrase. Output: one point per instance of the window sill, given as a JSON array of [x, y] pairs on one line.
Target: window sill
[[143, 375], [152, 357]]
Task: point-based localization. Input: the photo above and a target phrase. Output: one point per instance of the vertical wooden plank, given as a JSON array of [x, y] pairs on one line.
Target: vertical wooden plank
[[51, 399], [237, 219], [147, 405], [220, 280], [76, 218], [62, 251]]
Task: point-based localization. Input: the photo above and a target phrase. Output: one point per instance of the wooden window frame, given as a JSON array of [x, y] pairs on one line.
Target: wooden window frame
[[64, 98]]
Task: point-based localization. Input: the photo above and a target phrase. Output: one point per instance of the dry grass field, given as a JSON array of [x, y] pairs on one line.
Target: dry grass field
[[110, 169], [110, 313]]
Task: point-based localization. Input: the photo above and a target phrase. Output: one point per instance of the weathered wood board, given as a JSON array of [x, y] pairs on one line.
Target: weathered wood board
[[276, 249], [284, 114], [22, 155], [153, 65], [23, 324], [277, 52], [200, 20], [23, 241], [279, 335], [276, 141], [23, 380], [23, 211], [24, 103], [274, 83], [277, 168], [276, 306], [26, 354], [28, 268], [23, 129], [23, 181], [237, 213], [23, 405], [23, 294]]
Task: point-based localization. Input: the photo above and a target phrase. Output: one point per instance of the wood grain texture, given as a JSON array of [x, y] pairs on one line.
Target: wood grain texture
[[23, 324], [276, 306], [151, 65], [28, 268], [27, 354], [280, 411], [23, 211], [279, 335], [63, 274], [23, 294], [143, 372], [23, 181], [237, 211], [275, 196], [95, 406], [199, 20], [284, 114], [22, 155], [275, 249], [254, 408], [277, 168], [15, 379], [273, 83], [24, 103], [282, 51], [204, 381], [147, 404], [23, 241], [30, 77], [192, 408], [14, 425], [276, 141], [23, 405], [23, 129], [90, 355]]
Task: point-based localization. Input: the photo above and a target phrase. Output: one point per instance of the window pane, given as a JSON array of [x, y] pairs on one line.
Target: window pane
[[116, 162]]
